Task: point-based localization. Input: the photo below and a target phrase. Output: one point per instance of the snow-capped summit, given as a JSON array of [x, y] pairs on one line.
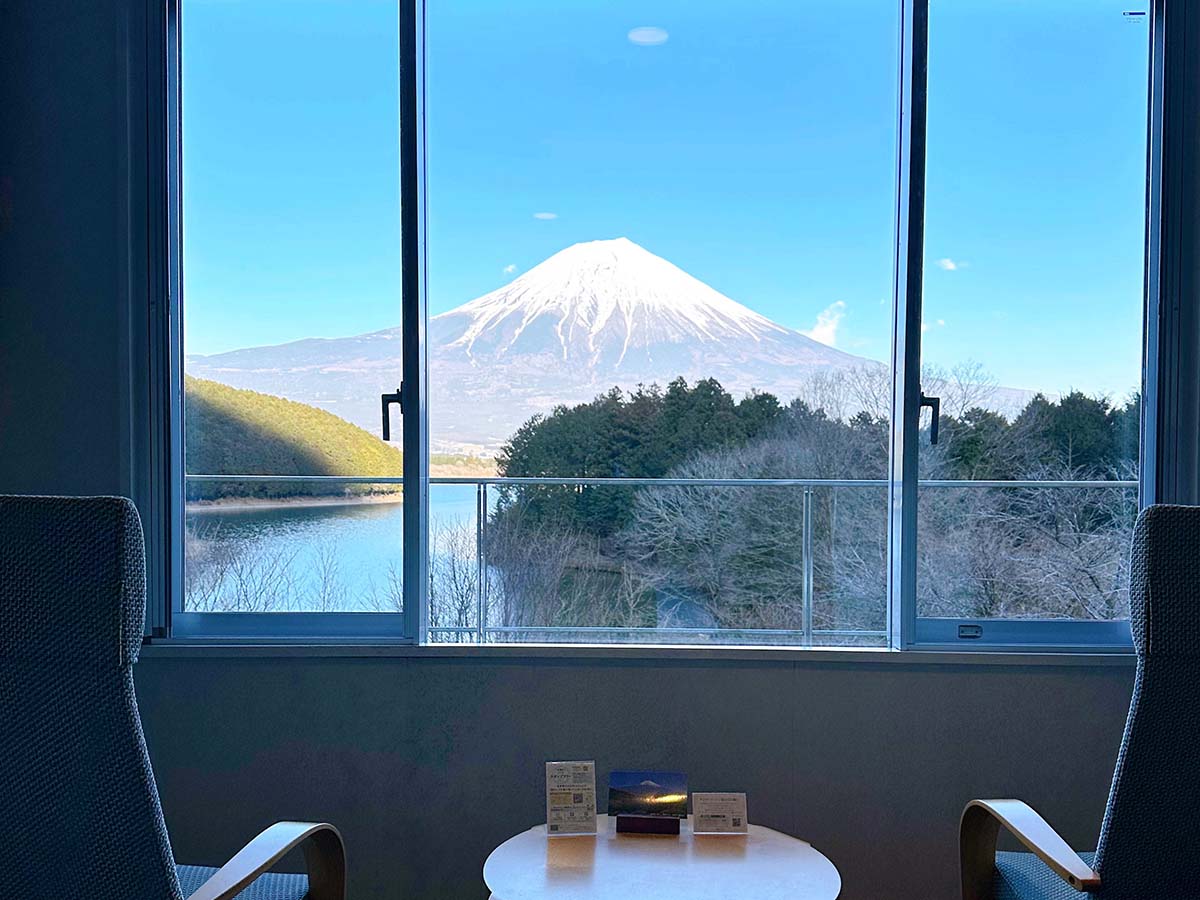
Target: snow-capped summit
[[613, 307], [595, 301]]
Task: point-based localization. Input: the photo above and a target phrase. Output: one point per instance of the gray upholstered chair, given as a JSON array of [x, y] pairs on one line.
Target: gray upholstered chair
[[78, 804], [1147, 845]]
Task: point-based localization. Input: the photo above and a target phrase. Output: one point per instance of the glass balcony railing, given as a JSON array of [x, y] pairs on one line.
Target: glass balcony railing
[[628, 560]]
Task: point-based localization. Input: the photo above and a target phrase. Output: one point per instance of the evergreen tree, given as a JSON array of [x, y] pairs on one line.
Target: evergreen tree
[[643, 435]]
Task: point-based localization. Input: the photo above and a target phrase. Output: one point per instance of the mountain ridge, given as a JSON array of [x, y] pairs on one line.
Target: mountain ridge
[[593, 316]]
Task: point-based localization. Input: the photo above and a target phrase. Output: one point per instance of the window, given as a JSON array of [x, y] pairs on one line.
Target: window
[[675, 257], [639, 280], [291, 238], [1032, 318]]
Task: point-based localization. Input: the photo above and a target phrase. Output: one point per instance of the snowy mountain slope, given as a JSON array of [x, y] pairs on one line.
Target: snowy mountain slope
[[615, 308], [592, 316], [597, 302]]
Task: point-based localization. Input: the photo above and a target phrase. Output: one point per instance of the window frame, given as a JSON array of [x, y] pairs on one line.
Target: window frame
[[1167, 472], [407, 626], [909, 630]]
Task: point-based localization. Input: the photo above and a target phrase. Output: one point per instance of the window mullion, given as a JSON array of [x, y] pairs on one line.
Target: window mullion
[[1170, 464], [412, 257], [906, 337], [156, 481]]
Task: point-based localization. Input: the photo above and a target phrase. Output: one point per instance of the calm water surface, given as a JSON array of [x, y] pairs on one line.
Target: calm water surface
[[359, 545]]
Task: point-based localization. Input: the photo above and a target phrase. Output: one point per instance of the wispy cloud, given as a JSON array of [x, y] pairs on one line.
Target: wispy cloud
[[510, 268], [925, 326], [952, 265], [648, 36], [545, 215], [826, 327]]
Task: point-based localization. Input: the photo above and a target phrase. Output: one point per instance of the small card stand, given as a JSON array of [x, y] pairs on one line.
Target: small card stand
[[570, 798], [631, 824]]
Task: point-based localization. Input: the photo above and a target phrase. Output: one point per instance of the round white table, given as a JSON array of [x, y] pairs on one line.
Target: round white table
[[761, 865]]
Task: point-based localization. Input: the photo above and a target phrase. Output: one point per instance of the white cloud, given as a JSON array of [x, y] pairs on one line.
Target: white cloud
[[510, 268], [828, 320], [648, 36], [952, 265], [545, 215]]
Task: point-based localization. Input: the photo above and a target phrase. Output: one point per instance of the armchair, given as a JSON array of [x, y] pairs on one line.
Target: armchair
[[1147, 840], [77, 794]]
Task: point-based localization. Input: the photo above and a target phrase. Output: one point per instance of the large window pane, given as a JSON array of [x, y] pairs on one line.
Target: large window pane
[[291, 304], [1032, 334], [758, 562], [660, 247]]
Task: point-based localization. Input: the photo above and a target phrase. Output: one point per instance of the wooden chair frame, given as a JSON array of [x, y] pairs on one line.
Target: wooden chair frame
[[979, 829], [324, 856]]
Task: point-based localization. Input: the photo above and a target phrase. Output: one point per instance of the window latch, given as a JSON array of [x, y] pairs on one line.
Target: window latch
[[385, 404], [935, 413]]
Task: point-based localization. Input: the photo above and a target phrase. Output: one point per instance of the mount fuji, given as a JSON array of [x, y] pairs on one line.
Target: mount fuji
[[594, 315]]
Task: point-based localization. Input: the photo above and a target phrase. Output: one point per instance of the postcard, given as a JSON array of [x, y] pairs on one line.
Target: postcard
[[571, 797], [645, 793]]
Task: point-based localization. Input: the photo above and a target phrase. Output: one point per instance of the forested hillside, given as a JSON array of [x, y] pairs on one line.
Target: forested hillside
[[229, 431], [732, 555]]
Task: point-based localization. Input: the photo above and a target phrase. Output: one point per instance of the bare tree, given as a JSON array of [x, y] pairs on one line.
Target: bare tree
[[547, 575], [846, 392], [1026, 552], [739, 552], [454, 582], [387, 593], [329, 593], [965, 386], [228, 576]]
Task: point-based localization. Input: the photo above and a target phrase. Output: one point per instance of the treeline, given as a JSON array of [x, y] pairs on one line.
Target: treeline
[[650, 433], [1087, 435]]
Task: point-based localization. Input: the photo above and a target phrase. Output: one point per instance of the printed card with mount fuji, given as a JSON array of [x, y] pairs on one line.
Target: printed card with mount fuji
[[647, 793]]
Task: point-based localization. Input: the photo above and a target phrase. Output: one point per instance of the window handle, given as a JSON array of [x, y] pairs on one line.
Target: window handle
[[385, 403], [935, 410]]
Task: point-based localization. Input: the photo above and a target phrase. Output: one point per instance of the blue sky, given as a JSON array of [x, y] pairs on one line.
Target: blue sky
[[752, 144]]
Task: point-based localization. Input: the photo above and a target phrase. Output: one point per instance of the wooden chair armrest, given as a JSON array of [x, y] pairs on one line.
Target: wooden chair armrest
[[324, 856], [979, 828]]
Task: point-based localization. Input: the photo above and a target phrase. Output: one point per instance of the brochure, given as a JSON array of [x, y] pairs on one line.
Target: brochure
[[570, 798]]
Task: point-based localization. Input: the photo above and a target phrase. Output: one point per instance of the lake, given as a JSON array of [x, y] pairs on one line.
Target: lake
[[343, 557]]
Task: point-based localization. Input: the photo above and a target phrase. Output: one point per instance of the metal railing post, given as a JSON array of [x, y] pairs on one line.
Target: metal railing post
[[480, 571], [483, 572], [807, 550]]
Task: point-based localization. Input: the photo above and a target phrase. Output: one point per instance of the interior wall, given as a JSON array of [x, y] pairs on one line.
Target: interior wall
[[63, 283], [427, 764]]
